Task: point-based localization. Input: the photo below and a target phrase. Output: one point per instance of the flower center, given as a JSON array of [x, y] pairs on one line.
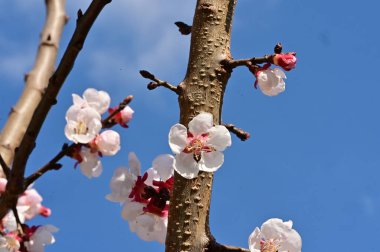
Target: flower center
[[269, 246], [196, 146], [81, 128]]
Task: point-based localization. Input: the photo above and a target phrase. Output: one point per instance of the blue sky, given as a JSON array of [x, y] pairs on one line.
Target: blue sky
[[313, 156]]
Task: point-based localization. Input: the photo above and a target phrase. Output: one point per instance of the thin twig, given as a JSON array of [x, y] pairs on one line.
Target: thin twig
[[157, 82], [247, 62], [214, 246], [19, 223], [15, 184], [51, 165], [240, 133]]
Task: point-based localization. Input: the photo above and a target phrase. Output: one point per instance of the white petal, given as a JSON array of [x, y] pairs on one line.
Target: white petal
[[219, 137], [211, 161], [99, 100], [177, 138], [79, 101], [254, 240], [186, 166], [279, 73], [164, 165], [131, 210], [201, 123], [152, 175], [271, 82], [90, 165], [134, 164]]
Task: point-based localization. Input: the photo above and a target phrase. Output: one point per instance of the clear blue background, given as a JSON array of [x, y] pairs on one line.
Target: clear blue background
[[314, 152]]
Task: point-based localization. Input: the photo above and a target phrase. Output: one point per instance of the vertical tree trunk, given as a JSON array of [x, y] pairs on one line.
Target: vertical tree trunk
[[201, 90]]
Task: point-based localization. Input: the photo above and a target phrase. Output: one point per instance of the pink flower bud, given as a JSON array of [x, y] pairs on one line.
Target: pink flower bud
[[123, 117], [286, 61]]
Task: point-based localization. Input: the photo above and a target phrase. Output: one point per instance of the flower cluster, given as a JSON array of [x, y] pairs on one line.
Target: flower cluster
[[275, 235], [271, 81], [32, 239], [84, 125], [145, 198], [199, 148]]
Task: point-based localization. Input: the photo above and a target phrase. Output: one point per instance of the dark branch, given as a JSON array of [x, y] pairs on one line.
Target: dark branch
[[15, 184], [5, 167], [51, 165], [183, 28], [157, 82], [240, 133]]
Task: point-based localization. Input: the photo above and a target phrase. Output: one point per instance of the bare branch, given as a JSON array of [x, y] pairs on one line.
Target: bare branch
[[15, 185], [19, 223], [240, 133], [36, 80], [183, 28], [157, 82]]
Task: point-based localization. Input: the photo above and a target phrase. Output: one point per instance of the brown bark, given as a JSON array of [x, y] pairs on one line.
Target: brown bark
[[36, 80], [201, 90]]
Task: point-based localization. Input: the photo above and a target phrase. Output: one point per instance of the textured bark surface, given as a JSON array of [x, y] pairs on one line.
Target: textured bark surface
[[35, 81], [201, 90]]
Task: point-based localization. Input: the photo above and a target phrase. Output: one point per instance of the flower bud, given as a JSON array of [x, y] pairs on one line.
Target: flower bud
[[286, 61]]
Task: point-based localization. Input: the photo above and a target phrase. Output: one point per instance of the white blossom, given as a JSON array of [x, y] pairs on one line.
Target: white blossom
[[40, 238], [199, 148], [90, 164], [275, 235], [83, 124], [271, 81], [108, 142]]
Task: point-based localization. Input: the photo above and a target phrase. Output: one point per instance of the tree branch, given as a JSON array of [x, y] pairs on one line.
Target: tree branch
[[240, 133], [216, 247], [15, 185], [157, 82], [36, 80]]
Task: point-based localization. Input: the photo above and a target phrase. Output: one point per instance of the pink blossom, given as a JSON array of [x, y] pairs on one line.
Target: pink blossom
[[107, 142]]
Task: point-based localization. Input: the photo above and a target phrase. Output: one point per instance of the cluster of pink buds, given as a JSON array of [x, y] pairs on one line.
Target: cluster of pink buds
[[84, 125], [145, 198]]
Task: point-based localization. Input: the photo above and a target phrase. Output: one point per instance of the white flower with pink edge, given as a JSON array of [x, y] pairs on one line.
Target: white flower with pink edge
[[275, 235], [199, 148]]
